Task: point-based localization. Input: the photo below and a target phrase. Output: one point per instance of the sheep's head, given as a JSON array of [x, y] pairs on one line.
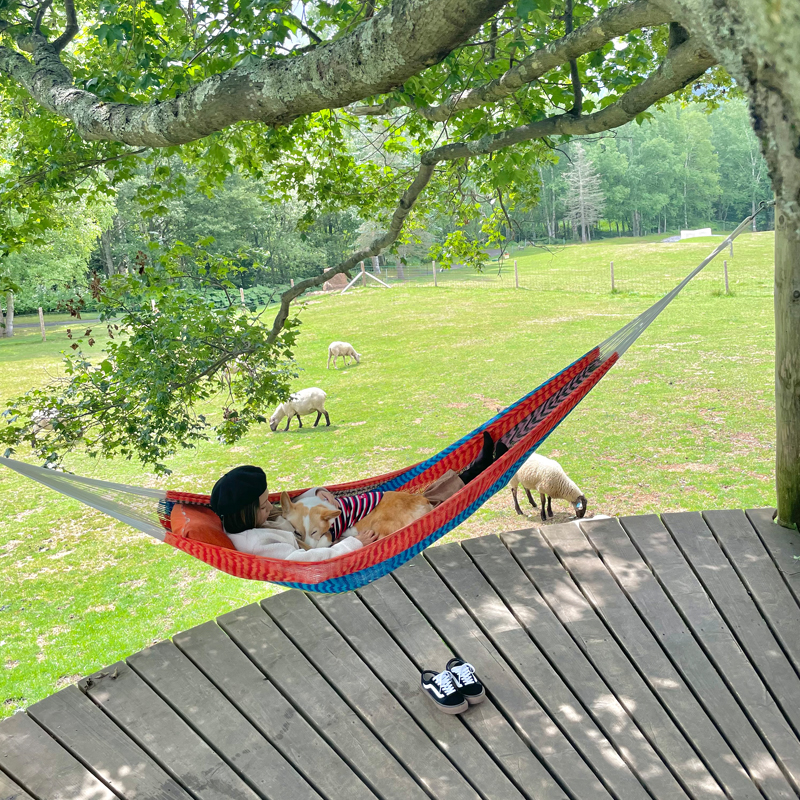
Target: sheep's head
[[580, 505], [358, 357], [276, 418]]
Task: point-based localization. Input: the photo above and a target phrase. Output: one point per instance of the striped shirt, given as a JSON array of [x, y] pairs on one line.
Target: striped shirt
[[354, 508]]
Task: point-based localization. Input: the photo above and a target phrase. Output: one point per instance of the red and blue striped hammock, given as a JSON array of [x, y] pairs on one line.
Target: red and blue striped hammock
[[523, 426]]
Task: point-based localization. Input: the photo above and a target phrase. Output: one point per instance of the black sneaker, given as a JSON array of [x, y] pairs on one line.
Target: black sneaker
[[442, 690], [466, 680]]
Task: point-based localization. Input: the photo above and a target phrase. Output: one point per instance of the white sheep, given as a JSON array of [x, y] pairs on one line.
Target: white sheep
[[547, 477], [43, 420], [343, 349], [300, 403]]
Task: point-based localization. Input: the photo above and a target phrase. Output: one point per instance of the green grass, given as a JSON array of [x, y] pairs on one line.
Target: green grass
[[683, 422]]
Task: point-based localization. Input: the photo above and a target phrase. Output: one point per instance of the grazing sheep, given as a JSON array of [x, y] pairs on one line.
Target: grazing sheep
[[547, 477], [43, 420], [300, 403], [343, 349]]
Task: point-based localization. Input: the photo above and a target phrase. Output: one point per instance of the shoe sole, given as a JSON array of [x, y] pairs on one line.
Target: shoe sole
[[478, 698], [450, 709]]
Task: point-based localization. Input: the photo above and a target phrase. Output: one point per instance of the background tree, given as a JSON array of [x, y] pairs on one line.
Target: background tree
[[585, 200]]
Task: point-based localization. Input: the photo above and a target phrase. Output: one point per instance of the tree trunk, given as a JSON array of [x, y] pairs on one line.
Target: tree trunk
[[753, 206], [9, 314], [105, 242], [376, 267], [787, 366]]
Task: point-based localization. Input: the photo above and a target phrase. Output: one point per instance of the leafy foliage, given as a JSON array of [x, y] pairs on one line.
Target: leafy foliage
[[172, 349]]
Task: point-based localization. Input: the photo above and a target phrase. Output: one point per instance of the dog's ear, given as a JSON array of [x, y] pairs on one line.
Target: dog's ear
[[329, 515], [286, 504]]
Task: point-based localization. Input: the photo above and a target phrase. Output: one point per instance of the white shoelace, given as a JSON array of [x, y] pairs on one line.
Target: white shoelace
[[465, 674], [444, 680]]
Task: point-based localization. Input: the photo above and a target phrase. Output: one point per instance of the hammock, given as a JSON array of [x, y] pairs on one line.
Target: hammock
[[523, 426]]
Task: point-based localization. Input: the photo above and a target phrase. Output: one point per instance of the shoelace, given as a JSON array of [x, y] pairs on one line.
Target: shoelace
[[465, 674], [444, 680]]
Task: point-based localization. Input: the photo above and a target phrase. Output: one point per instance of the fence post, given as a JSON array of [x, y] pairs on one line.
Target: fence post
[[434, 274], [516, 274], [363, 275], [725, 270], [612, 276], [731, 248], [41, 324], [241, 294], [291, 282]]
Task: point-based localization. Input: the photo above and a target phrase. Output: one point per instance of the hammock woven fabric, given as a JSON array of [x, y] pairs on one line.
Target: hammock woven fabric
[[523, 426]]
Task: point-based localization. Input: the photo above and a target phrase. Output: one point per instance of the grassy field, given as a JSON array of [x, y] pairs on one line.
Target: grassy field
[[683, 422], [647, 267]]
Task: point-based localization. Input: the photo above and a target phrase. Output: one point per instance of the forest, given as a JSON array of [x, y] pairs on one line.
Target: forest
[[677, 167]]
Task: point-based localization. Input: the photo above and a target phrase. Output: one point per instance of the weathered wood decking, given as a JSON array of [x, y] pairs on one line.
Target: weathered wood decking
[[632, 659]]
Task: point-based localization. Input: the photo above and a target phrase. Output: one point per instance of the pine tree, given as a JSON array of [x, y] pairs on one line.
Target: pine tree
[[585, 200]]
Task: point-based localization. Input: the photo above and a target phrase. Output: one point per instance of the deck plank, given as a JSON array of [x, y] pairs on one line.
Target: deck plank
[[166, 738], [393, 667], [34, 760], [297, 679], [79, 726], [339, 663], [189, 693], [414, 634], [267, 709], [466, 639], [688, 595], [783, 546], [746, 552], [10, 790], [482, 603], [718, 712], [619, 699], [733, 602]]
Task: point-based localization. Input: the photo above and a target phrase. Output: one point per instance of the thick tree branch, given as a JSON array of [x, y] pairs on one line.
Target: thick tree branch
[[684, 64], [614, 22], [397, 43]]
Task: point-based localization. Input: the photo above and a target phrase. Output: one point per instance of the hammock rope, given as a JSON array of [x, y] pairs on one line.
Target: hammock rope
[[523, 426]]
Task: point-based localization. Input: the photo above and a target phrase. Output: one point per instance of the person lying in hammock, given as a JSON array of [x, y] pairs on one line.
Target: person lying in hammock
[[241, 499]]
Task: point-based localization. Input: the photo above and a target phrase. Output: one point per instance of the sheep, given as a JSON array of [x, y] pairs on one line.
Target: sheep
[[43, 420], [548, 478], [343, 349], [303, 402]]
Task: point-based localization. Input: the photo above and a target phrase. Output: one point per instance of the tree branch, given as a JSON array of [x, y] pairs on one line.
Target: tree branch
[[37, 22], [577, 107], [592, 35], [683, 64], [403, 209], [72, 27], [398, 42]]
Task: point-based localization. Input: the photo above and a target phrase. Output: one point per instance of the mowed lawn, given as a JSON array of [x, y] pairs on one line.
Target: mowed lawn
[[683, 422]]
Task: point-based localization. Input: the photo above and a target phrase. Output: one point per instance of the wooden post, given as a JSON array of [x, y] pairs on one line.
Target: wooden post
[[731, 248], [787, 365], [725, 272], [612, 276], [363, 275], [241, 294], [291, 282], [516, 274], [434, 274], [41, 324]]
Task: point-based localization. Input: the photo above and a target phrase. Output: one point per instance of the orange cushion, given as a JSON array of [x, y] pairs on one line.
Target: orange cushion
[[200, 524]]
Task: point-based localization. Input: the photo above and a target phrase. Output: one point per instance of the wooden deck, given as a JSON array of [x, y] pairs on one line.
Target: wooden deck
[[634, 659]]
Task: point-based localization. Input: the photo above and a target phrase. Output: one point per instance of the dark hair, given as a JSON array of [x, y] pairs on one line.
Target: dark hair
[[242, 519]]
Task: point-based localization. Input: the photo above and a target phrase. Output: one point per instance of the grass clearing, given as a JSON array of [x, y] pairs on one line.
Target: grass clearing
[[685, 421]]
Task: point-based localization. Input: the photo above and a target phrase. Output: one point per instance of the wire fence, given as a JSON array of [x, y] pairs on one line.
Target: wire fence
[[644, 267]]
